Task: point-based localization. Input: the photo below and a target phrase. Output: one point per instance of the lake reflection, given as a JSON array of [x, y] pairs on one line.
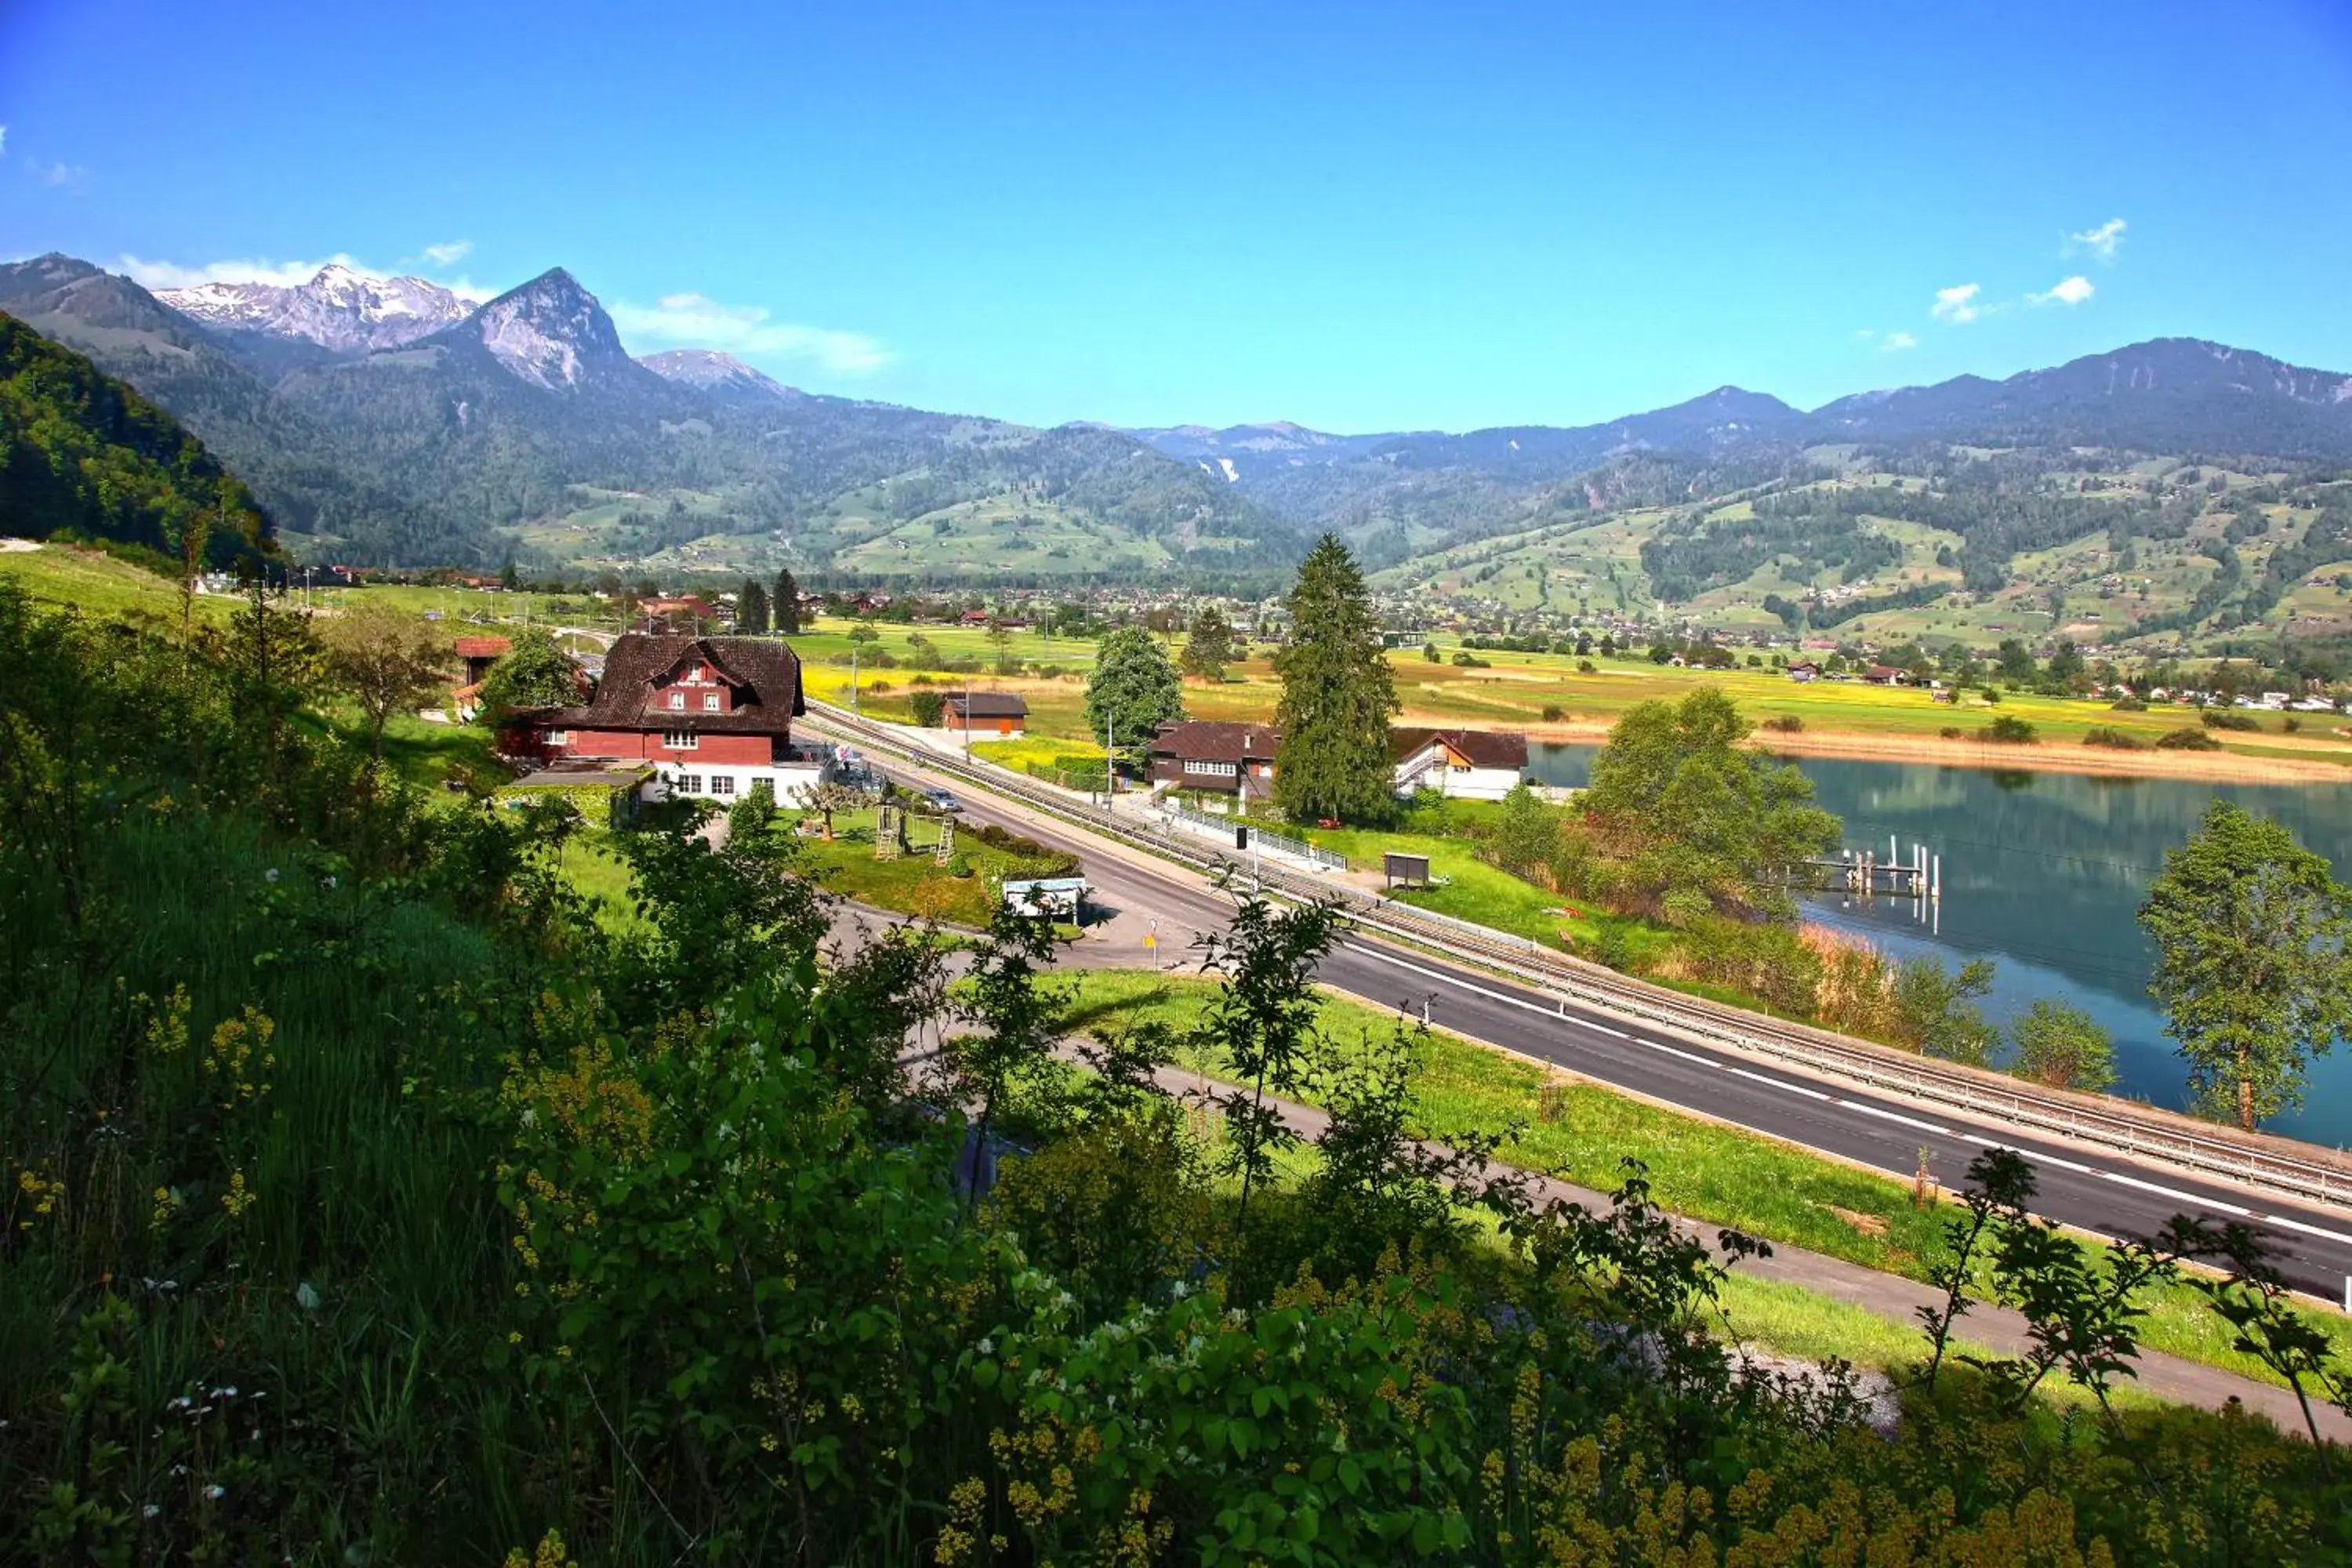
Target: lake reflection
[[2045, 873]]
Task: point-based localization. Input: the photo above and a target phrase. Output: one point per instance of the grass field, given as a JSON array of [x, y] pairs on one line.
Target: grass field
[[100, 585], [1708, 1172]]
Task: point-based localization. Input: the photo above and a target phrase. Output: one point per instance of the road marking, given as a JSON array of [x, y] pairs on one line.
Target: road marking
[[1898, 1116], [2306, 1229], [2176, 1194], [1671, 1051], [1776, 1083]]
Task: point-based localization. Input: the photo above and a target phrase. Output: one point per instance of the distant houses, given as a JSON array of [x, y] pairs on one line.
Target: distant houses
[[1212, 754], [1000, 715], [1238, 759], [1460, 764]]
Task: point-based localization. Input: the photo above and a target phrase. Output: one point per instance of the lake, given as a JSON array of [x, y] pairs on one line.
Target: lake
[[2044, 874]]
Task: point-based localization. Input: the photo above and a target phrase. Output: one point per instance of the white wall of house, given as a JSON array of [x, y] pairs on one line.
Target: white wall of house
[[1428, 769], [726, 786]]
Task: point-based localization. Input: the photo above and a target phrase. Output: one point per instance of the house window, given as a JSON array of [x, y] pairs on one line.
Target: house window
[[559, 737], [710, 702], [722, 784], [681, 739], [689, 783], [677, 701], [1211, 769]]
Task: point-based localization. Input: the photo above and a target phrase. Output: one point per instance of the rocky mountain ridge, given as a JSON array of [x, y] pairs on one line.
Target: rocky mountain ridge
[[339, 309]]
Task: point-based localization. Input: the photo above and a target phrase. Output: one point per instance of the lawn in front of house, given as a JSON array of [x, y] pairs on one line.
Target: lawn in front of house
[[962, 891]]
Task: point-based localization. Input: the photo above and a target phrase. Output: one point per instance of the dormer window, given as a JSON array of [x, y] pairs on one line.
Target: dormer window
[[677, 701], [710, 702]]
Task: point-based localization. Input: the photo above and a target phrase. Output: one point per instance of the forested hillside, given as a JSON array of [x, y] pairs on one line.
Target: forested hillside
[[527, 433], [84, 457]]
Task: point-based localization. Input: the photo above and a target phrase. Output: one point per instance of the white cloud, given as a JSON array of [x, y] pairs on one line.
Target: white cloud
[[1958, 304], [2067, 291], [1895, 342], [55, 174], [2100, 242], [258, 270], [702, 323], [3, 139], [280, 274], [448, 255]]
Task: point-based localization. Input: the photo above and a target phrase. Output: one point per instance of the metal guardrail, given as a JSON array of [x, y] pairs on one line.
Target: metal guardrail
[[1260, 838], [1814, 1050]]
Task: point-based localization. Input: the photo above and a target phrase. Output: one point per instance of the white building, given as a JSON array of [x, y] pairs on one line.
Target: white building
[[1461, 764]]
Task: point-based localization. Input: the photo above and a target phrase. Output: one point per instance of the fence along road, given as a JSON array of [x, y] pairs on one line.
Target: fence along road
[[1602, 1025]]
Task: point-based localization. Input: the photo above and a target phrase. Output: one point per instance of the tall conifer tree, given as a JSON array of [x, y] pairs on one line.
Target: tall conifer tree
[[785, 610], [1337, 696]]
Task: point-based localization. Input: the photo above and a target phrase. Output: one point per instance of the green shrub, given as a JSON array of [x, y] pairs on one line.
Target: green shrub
[[2115, 739], [2223, 718], [2188, 740], [1785, 723], [1952, 732], [2128, 705], [958, 867], [927, 706], [2009, 729], [1553, 713]]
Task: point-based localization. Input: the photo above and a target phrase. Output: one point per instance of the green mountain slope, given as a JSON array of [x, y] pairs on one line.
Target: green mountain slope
[[528, 431], [84, 457]]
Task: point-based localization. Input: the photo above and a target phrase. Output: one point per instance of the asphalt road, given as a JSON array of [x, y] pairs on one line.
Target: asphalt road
[[2091, 1190]]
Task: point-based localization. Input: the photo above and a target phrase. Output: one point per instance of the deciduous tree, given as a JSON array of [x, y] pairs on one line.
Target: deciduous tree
[[1696, 820], [385, 660], [2063, 1046], [533, 673], [2249, 930], [1133, 691]]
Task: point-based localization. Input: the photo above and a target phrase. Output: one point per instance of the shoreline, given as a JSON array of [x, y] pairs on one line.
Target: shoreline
[[2051, 757]]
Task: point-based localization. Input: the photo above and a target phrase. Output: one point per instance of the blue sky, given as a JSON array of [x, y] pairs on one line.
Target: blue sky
[[1361, 217]]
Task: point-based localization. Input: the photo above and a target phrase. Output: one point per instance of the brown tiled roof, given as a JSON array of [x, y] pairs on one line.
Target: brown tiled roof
[[1213, 740], [484, 647], [765, 670], [1482, 748], [991, 705]]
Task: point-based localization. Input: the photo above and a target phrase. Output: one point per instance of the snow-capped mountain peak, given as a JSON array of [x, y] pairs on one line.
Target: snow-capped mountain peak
[[340, 308]]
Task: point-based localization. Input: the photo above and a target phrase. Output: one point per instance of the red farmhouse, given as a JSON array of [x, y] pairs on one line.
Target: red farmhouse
[[713, 714]]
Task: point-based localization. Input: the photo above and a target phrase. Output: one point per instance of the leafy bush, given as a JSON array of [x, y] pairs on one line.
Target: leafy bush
[[2188, 740], [1553, 713], [2009, 729], [2128, 705], [1784, 723], [1952, 732], [1586, 667], [2115, 739], [2223, 718], [928, 706]]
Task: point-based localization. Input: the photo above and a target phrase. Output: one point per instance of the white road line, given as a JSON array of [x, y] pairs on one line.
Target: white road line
[[2176, 1193], [1776, 1083], [1898, 1116], [1465, 985], [1671, 1051], [2306, 1229]]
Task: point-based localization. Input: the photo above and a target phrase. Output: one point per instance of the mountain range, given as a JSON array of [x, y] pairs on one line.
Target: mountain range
[[392, 420]]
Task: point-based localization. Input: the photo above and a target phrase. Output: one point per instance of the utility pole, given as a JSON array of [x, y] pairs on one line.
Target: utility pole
[[1110, 759], [853, 677], [967, 716]]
